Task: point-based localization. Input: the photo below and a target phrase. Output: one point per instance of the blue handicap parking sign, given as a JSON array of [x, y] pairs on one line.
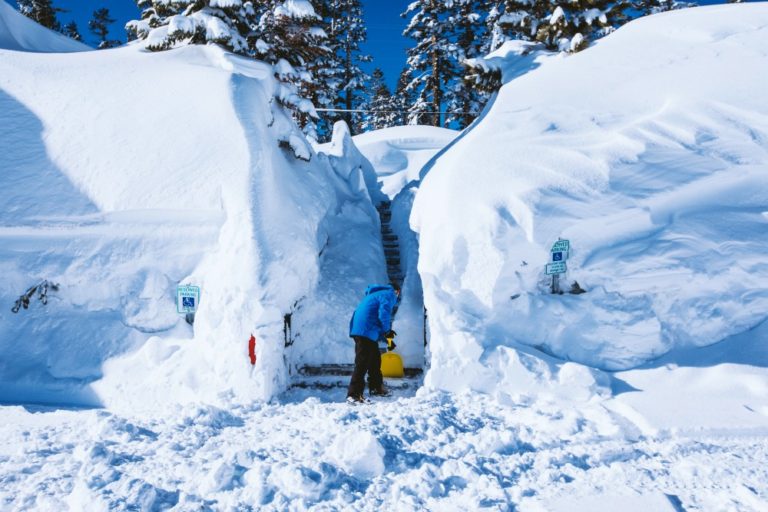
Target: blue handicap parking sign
[[187, 297], [557, 256]]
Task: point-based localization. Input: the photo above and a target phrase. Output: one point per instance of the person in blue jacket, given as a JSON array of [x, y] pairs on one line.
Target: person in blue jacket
[[371, 322]]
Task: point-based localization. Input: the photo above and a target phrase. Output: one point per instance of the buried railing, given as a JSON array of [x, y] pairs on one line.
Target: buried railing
[[41, 289]]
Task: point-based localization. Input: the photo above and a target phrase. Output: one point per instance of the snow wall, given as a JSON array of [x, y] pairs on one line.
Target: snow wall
[[648, 151], [127, 173]]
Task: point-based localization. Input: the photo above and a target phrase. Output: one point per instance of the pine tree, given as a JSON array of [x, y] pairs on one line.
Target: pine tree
[[432, 60], [564, 25], [494, 35], [403, 99], [170, 23], [447, 33], [99, 26], [382, 107], [41, 11], [70, 30], [290, 36], [341, 75], [466, 27], [646, 7], [290, 31]]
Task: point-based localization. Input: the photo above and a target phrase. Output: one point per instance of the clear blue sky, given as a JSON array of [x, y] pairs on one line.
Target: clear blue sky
[[385, 27]]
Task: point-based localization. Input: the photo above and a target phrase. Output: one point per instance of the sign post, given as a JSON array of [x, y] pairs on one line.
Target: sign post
[[557, 266]]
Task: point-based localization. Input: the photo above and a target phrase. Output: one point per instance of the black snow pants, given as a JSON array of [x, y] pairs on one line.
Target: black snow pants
[[367, 360]]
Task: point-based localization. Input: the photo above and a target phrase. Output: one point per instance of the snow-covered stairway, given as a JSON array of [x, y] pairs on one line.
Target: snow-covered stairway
[[390, 242], [329, 382]]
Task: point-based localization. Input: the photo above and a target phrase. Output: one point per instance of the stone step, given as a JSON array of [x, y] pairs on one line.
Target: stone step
[[343, 370]]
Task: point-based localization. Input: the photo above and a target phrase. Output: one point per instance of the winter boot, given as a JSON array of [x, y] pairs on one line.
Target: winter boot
[[380, 391]]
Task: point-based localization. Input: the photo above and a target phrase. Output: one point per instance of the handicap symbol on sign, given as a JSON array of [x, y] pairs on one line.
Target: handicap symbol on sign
[[557, 256], [188, 302]]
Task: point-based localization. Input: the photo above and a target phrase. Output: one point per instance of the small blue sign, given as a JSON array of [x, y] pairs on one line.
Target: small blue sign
[[557, 256], [187, 298]]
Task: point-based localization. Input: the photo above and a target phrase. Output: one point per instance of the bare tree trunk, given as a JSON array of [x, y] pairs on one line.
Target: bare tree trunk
[[348, 79], [436, 92]]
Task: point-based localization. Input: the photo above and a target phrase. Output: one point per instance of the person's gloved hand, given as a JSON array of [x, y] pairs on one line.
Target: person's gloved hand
[[390, 337]]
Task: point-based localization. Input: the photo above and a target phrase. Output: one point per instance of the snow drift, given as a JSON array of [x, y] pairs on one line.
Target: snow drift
[[127, 173], [17, 32], [398, 154], [639, 152]]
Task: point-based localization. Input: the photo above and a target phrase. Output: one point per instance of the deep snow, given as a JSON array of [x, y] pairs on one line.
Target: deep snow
[[652, 166], [657, 178], [135, 172]]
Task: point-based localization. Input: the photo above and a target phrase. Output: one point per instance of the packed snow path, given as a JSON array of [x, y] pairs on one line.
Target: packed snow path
[[435, 451]]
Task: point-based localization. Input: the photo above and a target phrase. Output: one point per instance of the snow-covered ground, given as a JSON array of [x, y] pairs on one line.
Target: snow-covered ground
[[134, 172], [435, 451]]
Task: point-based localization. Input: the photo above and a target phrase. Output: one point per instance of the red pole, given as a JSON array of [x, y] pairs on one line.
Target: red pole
[[252, 349]]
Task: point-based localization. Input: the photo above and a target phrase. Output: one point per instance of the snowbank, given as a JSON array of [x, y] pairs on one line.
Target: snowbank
[[134, 172], [652, 166], [19, 33]]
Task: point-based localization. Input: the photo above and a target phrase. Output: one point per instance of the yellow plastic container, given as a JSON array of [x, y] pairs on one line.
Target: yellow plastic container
[[392, 365]]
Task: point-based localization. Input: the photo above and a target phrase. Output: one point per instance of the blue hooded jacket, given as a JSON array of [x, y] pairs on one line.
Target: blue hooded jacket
[[373, 316]]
